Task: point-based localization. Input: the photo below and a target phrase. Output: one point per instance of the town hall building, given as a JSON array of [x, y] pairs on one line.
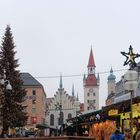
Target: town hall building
[[91, 84]]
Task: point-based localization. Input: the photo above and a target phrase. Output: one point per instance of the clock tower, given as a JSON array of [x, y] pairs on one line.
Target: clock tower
[[91, 86]]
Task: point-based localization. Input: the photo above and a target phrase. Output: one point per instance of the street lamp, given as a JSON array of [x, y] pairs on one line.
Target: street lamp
[[130, 84], [130, 79], [77, 109], [4, 86]]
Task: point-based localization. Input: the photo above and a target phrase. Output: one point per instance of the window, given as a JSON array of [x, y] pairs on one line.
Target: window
[[87, 101], [94, 94], [52, 119], [94, 101], [33, 110], [87, 108], [69, 116], [33, 101], [90, 69], [34, 92], [88, 94]]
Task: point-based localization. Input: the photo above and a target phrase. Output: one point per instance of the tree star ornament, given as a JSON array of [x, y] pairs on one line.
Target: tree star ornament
[[130, 58]]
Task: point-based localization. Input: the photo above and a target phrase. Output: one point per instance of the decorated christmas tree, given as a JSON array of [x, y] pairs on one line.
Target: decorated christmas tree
[[12, 101]]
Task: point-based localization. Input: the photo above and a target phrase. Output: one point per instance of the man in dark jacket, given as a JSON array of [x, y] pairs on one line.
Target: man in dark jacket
[[117, 135]]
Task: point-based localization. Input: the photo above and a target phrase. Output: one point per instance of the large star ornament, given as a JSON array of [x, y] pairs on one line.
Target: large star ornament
[[130, 58]]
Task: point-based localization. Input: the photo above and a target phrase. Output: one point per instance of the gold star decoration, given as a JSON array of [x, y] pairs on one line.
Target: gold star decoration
[[130, 58]]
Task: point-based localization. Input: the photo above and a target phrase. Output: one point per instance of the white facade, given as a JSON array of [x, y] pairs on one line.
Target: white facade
[[91, 98], [63, 103]]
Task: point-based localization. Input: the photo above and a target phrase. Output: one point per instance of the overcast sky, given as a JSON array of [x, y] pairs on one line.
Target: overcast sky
[[55, 36]]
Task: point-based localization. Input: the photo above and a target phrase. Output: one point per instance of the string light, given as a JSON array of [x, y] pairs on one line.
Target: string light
[[76, 75]]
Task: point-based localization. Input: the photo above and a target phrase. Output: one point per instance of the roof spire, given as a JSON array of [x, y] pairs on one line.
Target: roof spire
[[73, 90], [77, 99], [111, 70], [98, 77], [91, 62], [84, 77], [60, 84], [111, 76]]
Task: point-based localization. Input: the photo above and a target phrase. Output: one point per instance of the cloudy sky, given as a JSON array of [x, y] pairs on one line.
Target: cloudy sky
[[55, 36]]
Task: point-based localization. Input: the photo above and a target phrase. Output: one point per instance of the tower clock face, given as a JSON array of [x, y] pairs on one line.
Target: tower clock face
[[90, 90]]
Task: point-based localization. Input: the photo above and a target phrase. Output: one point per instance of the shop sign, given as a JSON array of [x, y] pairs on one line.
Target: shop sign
[[125, 115], [113, 112], [135, 107]]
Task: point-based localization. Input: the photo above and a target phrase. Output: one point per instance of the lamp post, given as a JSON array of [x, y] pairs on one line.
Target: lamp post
[[5, 86], [130, 80], [77, 109], [130, 84]]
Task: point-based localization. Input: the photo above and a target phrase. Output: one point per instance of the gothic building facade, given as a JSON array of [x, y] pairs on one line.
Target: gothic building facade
[[61, 107], [64, 106]]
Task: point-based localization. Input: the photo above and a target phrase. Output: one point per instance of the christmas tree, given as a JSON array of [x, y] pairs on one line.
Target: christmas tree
[[12, 101]]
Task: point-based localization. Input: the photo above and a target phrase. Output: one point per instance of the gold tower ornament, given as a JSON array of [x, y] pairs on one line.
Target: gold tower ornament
[[130, 58]]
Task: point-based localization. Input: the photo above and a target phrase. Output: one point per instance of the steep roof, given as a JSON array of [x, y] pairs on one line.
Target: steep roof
[[29, 80], [91, 62]]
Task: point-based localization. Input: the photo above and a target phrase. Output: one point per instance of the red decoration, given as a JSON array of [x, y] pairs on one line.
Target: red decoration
[[34, 120]]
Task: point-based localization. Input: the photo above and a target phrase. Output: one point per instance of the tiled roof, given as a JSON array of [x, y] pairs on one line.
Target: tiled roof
[[29, 80], [91, 62]]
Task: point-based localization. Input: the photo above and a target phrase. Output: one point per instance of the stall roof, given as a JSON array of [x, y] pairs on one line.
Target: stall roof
[[90, 112]]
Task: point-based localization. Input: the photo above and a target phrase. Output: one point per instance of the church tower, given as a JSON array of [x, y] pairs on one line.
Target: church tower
[[111, 87], [91, 86], [111, 82]]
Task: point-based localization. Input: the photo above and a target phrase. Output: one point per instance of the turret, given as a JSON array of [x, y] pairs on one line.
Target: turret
[[98, 79], [111, 82], [84, 79], [61, 83], [73, 90]]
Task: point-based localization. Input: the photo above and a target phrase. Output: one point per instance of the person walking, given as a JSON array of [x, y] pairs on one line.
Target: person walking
[[117, 135]]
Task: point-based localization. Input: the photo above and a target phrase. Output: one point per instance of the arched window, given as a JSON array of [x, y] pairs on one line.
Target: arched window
[[69, 116], [90, 70], [52, 119]]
